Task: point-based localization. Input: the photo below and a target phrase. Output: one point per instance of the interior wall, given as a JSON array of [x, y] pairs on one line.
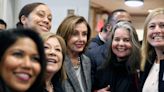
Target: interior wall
[[7, 8], [138, 22]]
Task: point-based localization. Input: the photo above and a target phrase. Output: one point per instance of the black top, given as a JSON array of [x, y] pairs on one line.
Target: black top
[[57, 86], [117, 76]]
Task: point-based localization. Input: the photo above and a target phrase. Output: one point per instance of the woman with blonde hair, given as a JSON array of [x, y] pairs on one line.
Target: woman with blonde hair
[[55, 50], [152, 62]]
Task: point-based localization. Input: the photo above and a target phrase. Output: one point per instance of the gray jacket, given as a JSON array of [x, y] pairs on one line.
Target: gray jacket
[[72, 83]]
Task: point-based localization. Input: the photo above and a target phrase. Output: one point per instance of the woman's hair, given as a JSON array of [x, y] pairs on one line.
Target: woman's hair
[[134, 58], [26, 10], [45, 37], [147, 50], [11, 36], [66, 28]]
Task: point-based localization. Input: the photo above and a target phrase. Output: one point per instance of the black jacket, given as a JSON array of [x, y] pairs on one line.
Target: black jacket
[[117, 76], [97, 51]]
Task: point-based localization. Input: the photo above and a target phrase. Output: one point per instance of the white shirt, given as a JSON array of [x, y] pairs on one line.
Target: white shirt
[[101, 38], [78, 74], [151, 83]]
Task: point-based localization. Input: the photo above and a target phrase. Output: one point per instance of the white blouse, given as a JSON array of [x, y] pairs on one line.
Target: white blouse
[[151, 83], [78, 74]]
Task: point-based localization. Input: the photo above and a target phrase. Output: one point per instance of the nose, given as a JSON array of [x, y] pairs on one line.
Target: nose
[[158, 29], [81, 37], [52, 52], [27, 63], [121, 42], [46, 20]]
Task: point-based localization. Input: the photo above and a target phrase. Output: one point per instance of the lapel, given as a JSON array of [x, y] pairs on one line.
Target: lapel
[[86, 71], [71, 75]]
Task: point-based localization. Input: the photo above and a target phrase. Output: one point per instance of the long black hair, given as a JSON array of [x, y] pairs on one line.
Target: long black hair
[[8, 38]]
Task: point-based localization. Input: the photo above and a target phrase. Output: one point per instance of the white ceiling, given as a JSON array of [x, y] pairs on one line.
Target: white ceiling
[[110, 5]]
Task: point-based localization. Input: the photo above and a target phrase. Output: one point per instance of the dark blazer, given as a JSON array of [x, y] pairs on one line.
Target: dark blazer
[[117, 76], [72, 83], [96, 48], [147, 69], [57, 83], [97, 51]]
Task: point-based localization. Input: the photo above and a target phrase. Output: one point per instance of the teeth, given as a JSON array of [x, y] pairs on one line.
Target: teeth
[[51, 61], [23, 76], [44, 28], [158, 38], [120, 49]]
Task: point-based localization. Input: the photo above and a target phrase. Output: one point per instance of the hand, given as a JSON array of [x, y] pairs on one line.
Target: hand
[[106, 89]]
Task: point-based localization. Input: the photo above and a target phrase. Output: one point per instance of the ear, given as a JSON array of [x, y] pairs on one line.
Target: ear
[[23, 19], [109, 27]]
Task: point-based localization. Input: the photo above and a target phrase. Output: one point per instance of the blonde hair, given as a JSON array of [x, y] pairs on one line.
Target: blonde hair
[[45, 37], [147, 50]]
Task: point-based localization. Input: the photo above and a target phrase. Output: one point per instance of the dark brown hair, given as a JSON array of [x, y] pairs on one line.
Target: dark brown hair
[[26, 10]]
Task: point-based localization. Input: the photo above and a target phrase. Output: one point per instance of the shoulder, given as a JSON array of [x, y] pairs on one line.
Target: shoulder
[[85, 58], [96, 41]]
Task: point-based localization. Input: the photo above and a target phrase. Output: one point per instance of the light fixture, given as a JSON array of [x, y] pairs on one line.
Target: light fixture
[[134, 3]]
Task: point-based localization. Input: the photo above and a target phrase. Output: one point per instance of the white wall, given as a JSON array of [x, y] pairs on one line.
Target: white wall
[[7, 8], [59, 9], [138, 22]]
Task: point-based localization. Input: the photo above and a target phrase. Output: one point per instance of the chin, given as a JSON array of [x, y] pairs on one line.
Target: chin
[[52, 70], [22, 88]]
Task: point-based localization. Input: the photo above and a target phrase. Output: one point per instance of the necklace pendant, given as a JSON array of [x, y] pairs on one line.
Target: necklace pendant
[[76, 67]]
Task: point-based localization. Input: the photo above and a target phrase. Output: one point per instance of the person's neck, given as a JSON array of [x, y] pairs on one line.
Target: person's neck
[[121, 59], [102, 37], [160, 55], [72, 54], [49, 86]]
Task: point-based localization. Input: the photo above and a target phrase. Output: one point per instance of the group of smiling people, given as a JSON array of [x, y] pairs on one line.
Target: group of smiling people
[[33, 59]]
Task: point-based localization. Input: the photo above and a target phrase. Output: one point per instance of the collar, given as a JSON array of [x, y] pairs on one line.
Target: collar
[[101, 38]]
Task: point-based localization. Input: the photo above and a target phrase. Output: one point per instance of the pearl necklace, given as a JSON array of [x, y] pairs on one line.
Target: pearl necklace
[[77, 65]]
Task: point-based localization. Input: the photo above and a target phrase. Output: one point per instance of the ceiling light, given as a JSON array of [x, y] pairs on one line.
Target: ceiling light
[[134, 3]]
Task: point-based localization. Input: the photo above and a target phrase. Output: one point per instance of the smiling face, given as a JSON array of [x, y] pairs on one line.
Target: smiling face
[[54, 55], [78, 40], [20, 67], [121, 43], [155, 34], [40, 19]]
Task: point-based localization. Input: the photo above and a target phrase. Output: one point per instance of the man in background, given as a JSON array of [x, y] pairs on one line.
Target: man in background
[[3, 24]]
